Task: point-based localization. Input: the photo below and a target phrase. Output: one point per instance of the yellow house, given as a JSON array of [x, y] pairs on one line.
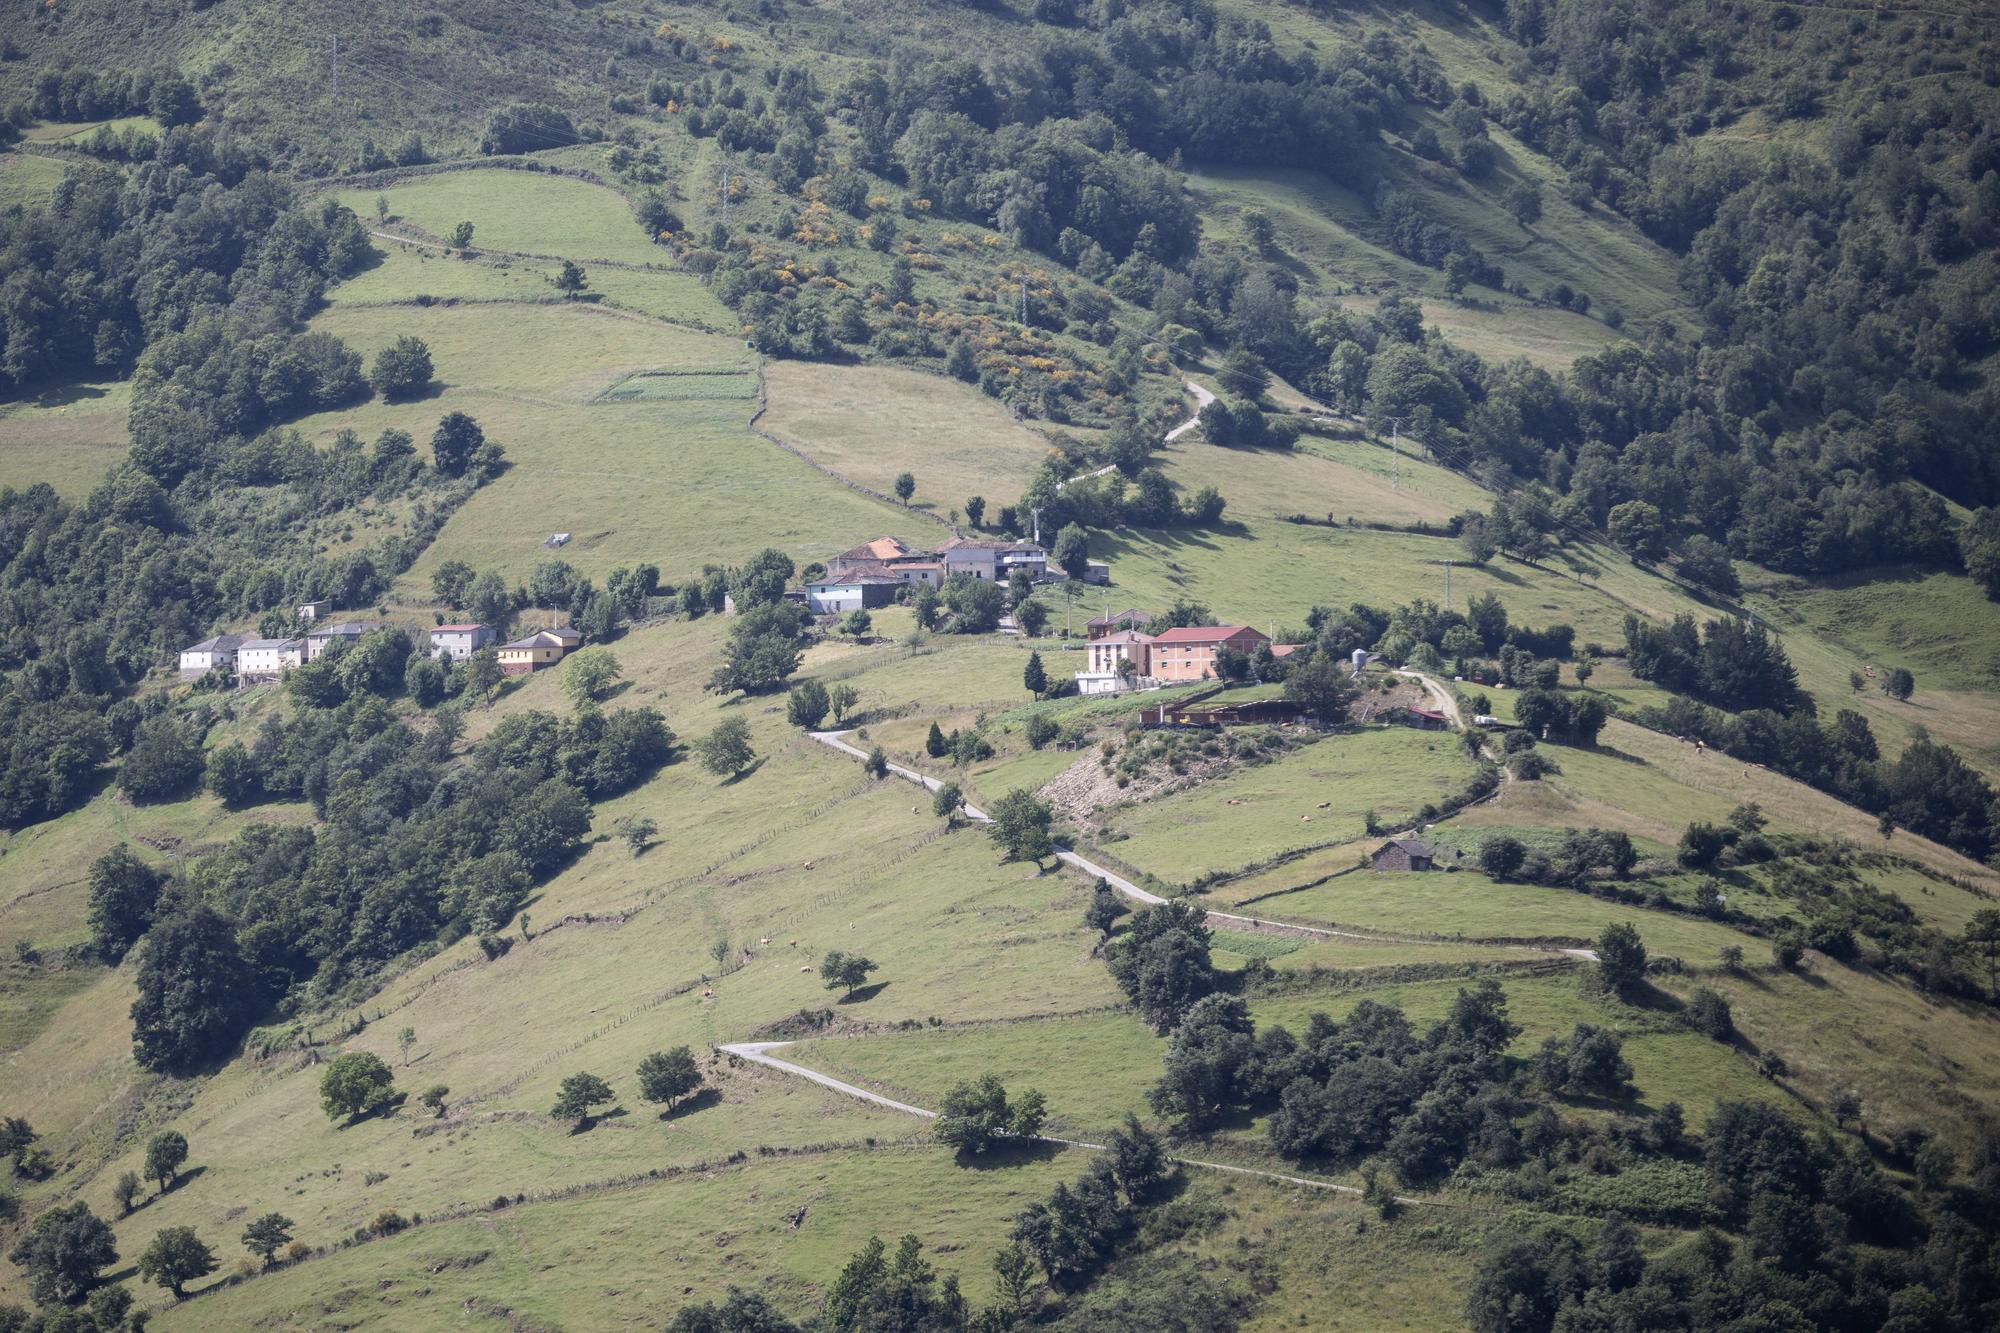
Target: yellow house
[[545, 647]]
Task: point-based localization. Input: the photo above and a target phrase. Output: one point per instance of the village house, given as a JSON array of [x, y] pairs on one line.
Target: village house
[[1404, 854], [1114, 621], [995, 562], [868, 555], [1188, 653], [532, 652], [310, 611], [912, 569], [1107, 674], [347, 632], [852, 592], [202, 658], [459, 642], [990, 561], [264, 659]]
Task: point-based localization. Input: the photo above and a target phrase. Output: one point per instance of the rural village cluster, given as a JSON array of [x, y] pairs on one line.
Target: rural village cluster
[[1120, 655]]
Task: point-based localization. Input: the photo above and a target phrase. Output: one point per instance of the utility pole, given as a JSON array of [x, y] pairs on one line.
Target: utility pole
[[1447, 581], [1395, 427], [725, 194], [1024, 302]]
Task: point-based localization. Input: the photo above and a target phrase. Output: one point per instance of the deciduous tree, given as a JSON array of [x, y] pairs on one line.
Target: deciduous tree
[[267, 1235], [402, 369], [356, 1084], [176, 1257], [845, 972], [577, 1095], [726, 750], [164, 1157], [668, 1076], [63, 1252]]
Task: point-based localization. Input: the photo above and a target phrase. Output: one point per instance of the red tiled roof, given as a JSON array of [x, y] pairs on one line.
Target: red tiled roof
[[882, 548], [1204, 634]]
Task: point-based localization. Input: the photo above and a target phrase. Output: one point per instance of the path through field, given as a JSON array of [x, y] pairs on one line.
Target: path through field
[[759, 1052], [1202, 398], [1230, 920]]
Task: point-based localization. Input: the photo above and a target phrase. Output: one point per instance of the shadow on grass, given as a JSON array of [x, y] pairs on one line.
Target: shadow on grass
[[590, 1122], [700, 1100], [1610, 752], [67, 395], [1010, 1153], [863, 994], [742, 773]]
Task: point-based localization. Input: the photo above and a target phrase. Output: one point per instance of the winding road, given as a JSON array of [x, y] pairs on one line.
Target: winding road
[[1202, 398], [1229, 920], [761, 1052]]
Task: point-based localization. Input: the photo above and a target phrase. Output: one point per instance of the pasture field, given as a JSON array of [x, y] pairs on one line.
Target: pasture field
[[404, 274], [517, 211], [1465, 903], [69, 438], [76, 131], [730, 1225], [1331, 232], [1841, 1028], [1096, 1068], [669, 1241], [43, 866], [1252, 814], [1938, 625], [1652, 786], [869, 423], [1501, 329], [678, 298], [28, 178], [673, 481], [1340, 480], [1254, 570]]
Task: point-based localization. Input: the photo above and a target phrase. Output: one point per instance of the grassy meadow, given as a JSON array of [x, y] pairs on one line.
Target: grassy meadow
[[516, 211], [69, 438], [872, 423], [1315, 795], [28, 178]]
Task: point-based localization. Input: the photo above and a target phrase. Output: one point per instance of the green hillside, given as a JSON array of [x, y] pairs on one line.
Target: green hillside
[[1616, 373]]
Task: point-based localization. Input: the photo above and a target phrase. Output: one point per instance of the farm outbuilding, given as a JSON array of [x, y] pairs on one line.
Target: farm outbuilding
[[1404, 854]]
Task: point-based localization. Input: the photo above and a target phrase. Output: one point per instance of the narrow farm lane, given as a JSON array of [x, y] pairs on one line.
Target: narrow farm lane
[[759, 1052], [1202, 398], [1256, 925]]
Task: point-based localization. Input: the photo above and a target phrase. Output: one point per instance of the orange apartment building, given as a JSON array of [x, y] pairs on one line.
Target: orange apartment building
[[1188, 653]]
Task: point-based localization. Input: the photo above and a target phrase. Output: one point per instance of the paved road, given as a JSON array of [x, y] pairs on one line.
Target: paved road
[[1227, 920], [1255, 925], [1202, 398], [758, 1052]]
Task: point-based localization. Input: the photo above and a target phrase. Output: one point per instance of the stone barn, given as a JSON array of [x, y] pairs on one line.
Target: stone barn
[[1405, 854]]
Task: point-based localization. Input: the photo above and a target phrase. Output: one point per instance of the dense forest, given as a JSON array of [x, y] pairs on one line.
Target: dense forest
[[1846, 305]]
